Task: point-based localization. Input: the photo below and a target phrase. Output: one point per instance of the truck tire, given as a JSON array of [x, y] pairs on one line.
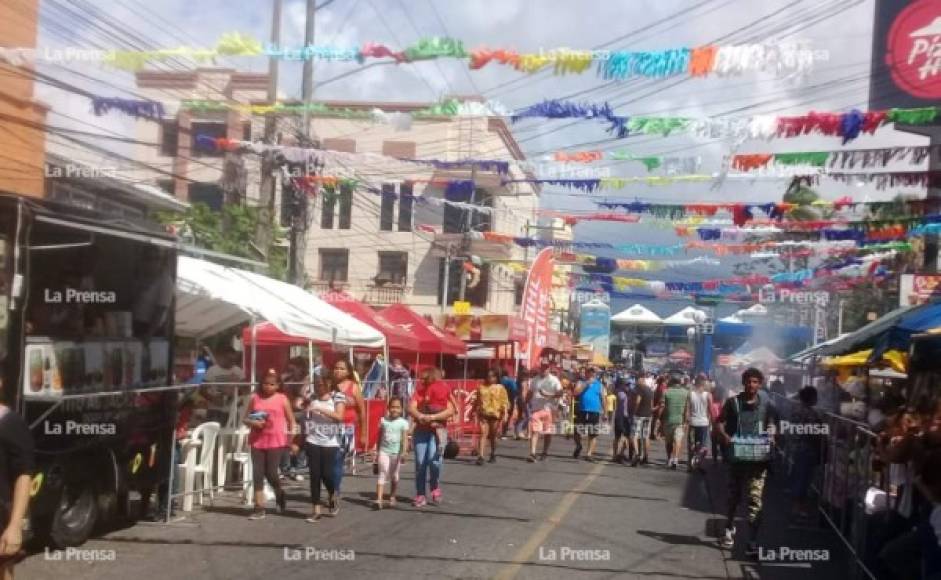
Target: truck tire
[[75, 515]]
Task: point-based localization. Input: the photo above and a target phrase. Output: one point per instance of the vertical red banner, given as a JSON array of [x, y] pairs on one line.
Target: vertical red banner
[[536, 304]]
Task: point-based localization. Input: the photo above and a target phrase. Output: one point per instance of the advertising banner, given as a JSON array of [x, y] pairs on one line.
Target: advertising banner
[[595, 326], [906, 54], [536, 305], [915, 289]]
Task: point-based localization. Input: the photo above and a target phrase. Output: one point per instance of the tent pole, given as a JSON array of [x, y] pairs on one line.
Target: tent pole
[[310, 360], [385, 356], [254, 352]]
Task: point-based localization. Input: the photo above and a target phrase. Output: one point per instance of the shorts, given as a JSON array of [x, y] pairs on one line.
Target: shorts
[[699, 435], [622, 426], [641, 427], [586, 423], [673, 432], [389, 466], [541, 422]]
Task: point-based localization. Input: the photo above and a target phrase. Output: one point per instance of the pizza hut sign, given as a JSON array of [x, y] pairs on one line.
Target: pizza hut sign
[[906, 68]]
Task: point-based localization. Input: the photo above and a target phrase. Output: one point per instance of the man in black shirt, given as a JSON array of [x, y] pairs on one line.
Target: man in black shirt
[[748, 414], [643, 417], [16, 469]]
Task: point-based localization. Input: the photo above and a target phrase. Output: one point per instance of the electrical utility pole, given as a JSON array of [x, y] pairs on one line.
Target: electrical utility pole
[[466, 245], [263, 231], [299, 214]]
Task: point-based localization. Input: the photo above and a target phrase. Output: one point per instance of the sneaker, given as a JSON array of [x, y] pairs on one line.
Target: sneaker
[[313, 519], [673, 466], [480, 460], [281, 501], [751, 549], [531, 458], [298, 477], [635, 462], [420, 501], [544, 457], [578, 451], [493, 459], [436, 496], [257, 515], [727, 541]]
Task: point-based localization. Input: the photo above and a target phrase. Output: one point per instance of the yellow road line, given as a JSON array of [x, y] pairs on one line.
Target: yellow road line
[[526, 552]]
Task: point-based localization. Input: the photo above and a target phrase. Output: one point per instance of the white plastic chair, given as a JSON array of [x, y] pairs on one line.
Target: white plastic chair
[[241, 455], [202, 443]]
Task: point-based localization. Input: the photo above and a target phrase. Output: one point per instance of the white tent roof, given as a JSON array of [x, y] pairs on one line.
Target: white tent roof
[[685, 317], [761, 354], [211, 298], [636, 314], [732, 319]]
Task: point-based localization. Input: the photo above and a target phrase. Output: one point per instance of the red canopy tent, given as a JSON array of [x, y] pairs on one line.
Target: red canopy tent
[[431, 340], [396, 337]]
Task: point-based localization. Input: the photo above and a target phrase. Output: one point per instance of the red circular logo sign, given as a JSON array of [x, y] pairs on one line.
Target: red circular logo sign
[[913, 51]]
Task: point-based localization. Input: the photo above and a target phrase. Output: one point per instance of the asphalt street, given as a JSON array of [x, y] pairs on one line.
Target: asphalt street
[[558, 519]]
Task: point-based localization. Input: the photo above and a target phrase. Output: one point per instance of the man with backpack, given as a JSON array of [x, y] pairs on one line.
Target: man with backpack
[[746, 424]]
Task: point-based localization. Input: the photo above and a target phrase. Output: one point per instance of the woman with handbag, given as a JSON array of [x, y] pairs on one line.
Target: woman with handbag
[[431, 407]]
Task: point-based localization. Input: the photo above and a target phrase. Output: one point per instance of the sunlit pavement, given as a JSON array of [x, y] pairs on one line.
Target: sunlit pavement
[[562, 518]]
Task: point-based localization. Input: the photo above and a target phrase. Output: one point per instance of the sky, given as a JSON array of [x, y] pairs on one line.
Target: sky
[[841, 28]]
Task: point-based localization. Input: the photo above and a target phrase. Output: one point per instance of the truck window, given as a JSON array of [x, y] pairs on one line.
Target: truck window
[[98, 313]]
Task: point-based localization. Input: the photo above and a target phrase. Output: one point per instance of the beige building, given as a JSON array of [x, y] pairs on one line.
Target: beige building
[[386, 240]]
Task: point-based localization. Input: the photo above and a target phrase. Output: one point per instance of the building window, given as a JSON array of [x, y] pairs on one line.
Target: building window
[[344, 145], [457, 219], [477, 296], [328, 209], [346, 206], [405, 207], [334, 264], [400, 149], [393, 268], [214, 129], [387, 207], [206, 193], [169, 137], [518, 287]]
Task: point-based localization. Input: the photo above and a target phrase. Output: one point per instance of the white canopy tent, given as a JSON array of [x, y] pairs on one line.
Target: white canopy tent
[[636, 315], [685, 317], [211, 298]]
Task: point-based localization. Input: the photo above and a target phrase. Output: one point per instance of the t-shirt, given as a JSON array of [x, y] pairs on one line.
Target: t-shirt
[[493, 401], [754, 417], [319, 429], [16, 453], [622, 407], [393, 430], [699, 408], [589, 401], [674, 400], [274, 434], [431, 400], [610, 403], [510, 385], [545, 393], [220, 395], [645, 403]]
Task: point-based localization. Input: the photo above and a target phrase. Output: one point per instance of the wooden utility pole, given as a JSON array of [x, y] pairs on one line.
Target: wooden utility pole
[[263, 232]]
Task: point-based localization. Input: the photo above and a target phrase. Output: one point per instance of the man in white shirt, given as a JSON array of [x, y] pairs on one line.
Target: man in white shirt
[[217, 393], [546, 391]]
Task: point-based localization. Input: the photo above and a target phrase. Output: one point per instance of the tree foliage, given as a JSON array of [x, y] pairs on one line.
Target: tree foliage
[[230, 231]]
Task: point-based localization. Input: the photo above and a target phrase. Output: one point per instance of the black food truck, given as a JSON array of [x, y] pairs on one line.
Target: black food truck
[[86, 328]]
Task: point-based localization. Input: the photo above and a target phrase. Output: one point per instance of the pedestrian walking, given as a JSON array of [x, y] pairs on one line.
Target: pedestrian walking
[[18, 463], [393, 445], [807, 449], [492, 407], [512, 393], [643, 419], [271, 419], [544, 402], [699, 419], [591, 401], [675, 403], [622, 420], [354, 416], [744, 422], [323, 426], [430, 407], [524, 393]]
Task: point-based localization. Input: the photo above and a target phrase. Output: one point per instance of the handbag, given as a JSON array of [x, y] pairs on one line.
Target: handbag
[[749, 448], [451, 450]]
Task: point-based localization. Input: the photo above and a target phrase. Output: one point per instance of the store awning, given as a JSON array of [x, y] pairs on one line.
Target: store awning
[[892, 331], [211, 298], [397, 338], [894, 359], [430, 338]]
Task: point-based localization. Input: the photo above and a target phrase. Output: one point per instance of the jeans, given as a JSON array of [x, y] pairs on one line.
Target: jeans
[[522, 422], [427, 459], [347, 446], [322, 469]]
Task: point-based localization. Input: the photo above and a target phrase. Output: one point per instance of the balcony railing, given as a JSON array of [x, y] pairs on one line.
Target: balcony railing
[[367, 292]]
